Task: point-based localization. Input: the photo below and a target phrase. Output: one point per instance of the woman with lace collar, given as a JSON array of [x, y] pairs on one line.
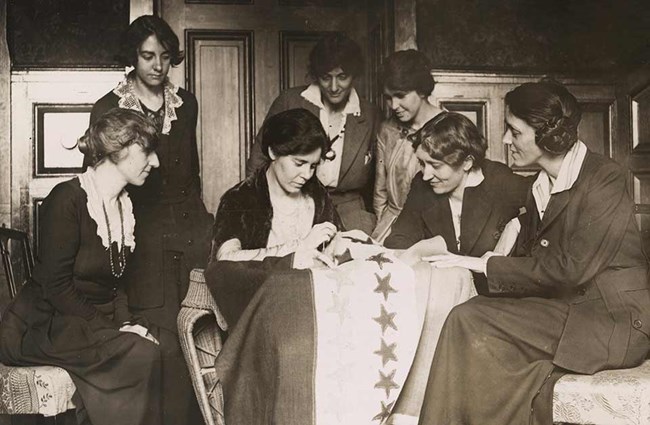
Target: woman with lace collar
[[73, 313], [174, 226]]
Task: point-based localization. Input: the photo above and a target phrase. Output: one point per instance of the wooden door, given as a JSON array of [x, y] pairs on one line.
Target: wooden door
[[238, 58], [633, 147]]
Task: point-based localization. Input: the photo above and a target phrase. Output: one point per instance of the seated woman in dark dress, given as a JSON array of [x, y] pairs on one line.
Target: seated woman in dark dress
[[573, 295], [280, 212], [466, 200], [73, 313]]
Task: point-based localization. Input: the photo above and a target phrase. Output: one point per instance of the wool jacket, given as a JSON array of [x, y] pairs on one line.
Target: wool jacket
[[586, 251]]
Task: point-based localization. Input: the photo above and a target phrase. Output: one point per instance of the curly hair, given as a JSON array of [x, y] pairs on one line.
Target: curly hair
[[115, 130], [451, 137], [333, 51]]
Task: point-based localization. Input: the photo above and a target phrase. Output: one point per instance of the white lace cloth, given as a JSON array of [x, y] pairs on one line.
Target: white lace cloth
[[610, 397], [96, 212], [129, 100], [45, 390]]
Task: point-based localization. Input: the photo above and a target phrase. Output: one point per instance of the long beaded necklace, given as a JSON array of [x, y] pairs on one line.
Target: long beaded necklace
[[121, 258]]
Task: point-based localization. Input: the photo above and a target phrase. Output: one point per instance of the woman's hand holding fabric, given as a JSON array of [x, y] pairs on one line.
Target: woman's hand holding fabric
[[318, 235], [139, 330]]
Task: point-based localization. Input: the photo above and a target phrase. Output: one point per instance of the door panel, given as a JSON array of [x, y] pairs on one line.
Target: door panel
[[219, 65], [236, 79], [638, 107], [294, 56]]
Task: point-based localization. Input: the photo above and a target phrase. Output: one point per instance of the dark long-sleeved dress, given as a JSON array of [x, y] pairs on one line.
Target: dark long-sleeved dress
[[574, 296], [69, 314], [172, 234]]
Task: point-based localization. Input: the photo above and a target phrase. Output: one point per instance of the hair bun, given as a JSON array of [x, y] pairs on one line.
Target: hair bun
[[83, 143], [557, 135]]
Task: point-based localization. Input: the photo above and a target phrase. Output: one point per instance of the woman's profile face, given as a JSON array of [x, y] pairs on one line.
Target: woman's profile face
[[406, 105], [335, 87], [153, 62], [135, 164], [520, 138], [442, 177], [292, 171]]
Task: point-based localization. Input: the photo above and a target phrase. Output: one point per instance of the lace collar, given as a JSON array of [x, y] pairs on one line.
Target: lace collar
[[128, 100], [96, 212]]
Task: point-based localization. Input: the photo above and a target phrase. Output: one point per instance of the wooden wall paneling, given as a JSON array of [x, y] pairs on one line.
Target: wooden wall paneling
[[597, 126], [37, 88], [638, 106], [475, 111], [219, 72], [5, 120], [294, 56]]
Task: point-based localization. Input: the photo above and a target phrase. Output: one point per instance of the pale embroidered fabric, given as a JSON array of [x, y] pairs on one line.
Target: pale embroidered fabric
[[45, 390], [96, 212], [328, 171], [291, 222], [128, 100], [611, 397], [569, 171]]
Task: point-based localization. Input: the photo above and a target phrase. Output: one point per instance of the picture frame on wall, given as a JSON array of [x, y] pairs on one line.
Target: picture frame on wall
[[57, 127], [476, 111]]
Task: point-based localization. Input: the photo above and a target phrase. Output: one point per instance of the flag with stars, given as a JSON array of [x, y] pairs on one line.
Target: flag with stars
[[366, 330]]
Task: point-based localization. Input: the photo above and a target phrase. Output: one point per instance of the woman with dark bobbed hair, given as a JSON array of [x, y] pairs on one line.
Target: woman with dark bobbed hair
[[572, 296], [283, 208], [406, 78], [350, 123], [74, 313], [173, 231], [272, 222]]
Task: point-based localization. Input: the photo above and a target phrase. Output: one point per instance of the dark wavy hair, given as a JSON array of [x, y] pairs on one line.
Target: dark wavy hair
[[451, 137], [551, 110], [333, 51], [141, 29], [293, 132], [115, 130], [408, 70]]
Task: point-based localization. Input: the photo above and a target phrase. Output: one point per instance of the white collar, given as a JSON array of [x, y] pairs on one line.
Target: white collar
[[474, 178], [566, 177], [312, 94], [96, 211], [569, 170], [128, 100]]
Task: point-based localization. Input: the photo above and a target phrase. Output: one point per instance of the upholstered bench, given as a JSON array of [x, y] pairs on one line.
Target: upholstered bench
[[610, 397], [43, 390]]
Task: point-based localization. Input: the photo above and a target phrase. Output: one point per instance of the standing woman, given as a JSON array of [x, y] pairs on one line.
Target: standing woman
[[407, 81], [73, 313], [173, 231], [350, 122], [573, 295]]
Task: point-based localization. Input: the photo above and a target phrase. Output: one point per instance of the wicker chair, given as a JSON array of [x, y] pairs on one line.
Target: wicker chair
[[32, 390], [200, 327]]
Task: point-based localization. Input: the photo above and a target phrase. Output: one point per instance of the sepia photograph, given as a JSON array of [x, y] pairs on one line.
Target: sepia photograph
[[325, 212]]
